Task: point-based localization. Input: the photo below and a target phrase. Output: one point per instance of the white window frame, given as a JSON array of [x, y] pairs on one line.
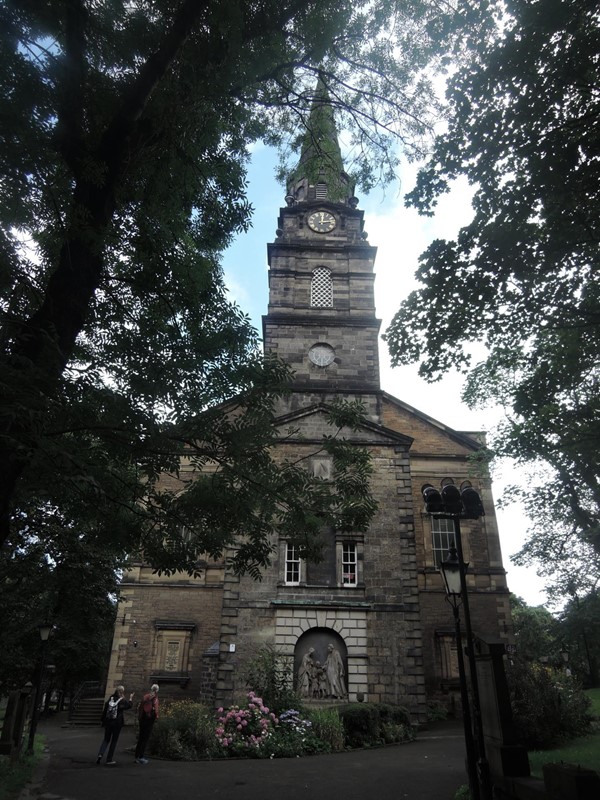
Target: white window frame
[[349, 564], [292, 566], [443, 537]]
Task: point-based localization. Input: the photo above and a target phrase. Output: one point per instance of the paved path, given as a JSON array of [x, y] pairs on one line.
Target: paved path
[[432, 768]]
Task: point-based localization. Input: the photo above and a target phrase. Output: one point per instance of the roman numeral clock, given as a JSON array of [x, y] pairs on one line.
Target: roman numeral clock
[[321, 221]]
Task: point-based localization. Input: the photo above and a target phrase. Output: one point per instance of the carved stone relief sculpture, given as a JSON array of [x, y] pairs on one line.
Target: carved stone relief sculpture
[[305, 673], [318, 681], [334, 673]]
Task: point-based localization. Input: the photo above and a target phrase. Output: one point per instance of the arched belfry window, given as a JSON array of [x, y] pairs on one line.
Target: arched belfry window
[[321, 288]]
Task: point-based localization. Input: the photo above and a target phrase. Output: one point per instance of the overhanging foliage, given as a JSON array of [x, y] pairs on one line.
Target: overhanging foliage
[[522, 277]]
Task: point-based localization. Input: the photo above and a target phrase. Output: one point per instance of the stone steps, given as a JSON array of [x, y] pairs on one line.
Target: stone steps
[[88, 712]]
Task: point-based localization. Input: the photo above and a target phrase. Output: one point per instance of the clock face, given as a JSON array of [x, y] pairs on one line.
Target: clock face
[[321, 221], [321, 354]]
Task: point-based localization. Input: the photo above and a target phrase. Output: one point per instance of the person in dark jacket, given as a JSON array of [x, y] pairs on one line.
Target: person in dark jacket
[[113, 721], [147, 713]]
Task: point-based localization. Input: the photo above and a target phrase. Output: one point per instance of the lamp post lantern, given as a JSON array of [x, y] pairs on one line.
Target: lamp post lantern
[[45, 629]]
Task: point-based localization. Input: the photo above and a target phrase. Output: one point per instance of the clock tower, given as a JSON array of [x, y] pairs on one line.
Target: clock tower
[[369, 621], [321, 315]]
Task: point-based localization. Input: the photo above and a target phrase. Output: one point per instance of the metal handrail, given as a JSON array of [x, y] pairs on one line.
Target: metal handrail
[[85, 689]]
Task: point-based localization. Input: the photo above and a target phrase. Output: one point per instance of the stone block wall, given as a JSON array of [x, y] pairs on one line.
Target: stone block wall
[[355, 345], [390, 623], [135, 652], [395, 659], [350, 624], [378, 620]]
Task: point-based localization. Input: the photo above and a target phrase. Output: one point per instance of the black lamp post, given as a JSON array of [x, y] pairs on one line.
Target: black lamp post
[[45, 630], [456, 504], [451, 572]]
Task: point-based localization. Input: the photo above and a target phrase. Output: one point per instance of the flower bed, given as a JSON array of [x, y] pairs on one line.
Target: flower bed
[[189, 731], [245, 731]]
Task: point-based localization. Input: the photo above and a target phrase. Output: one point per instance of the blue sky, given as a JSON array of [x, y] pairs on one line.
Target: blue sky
[[400, 236]]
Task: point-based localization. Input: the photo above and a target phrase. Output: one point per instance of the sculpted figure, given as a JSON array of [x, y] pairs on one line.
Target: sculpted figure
[[334, 673], [321, 681], [315, 682], [305, 674]]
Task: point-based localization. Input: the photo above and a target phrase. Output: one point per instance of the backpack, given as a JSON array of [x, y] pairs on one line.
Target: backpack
[[146, 709], [113, 708]]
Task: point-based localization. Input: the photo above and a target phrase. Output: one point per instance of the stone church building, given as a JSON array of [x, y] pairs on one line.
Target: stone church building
[[369, 622]]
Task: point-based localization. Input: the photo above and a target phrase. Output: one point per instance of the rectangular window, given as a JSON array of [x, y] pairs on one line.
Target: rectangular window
[[449, 656], [321, 288], [349, 561], [292, 565], [442, 538], [321, 191]]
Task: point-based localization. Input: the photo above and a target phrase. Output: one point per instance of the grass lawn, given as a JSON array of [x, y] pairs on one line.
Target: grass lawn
[[584, 751], [14, 776], [594, 695]]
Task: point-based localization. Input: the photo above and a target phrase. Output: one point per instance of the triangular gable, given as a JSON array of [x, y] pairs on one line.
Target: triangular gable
[[408, 417], [312, 423]]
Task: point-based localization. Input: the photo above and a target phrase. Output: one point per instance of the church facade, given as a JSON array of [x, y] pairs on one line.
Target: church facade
[[370, 621]]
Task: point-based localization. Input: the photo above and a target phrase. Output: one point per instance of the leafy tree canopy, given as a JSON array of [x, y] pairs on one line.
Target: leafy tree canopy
[[536, 632], [568, 641], [558, 550], [522, 277], [126, 129], [580, 631], [54, 573]]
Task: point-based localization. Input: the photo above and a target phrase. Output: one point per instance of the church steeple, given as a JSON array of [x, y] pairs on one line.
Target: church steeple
[[320, 173], [321, 317]]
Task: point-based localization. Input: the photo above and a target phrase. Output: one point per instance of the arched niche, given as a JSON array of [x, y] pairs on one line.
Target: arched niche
[[321, 665]]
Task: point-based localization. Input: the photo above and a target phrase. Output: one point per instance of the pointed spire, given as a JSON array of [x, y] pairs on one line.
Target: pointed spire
[[320, 172]]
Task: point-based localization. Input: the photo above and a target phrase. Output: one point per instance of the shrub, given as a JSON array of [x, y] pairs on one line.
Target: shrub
[[188, 731], [294, 736], [270, 674], [361, 724], [390, 713], [548, 707], [183, 732], [368, 724], [394, 723], [394, 732], [328, 728], [436, 711], [245, 731]]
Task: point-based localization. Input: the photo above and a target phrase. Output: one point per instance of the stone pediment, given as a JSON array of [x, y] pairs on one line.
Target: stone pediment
[[427, 432], [311, 424]]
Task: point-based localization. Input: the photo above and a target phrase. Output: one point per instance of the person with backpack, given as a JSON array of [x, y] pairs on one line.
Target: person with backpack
[[113, 721], [147, 713]]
